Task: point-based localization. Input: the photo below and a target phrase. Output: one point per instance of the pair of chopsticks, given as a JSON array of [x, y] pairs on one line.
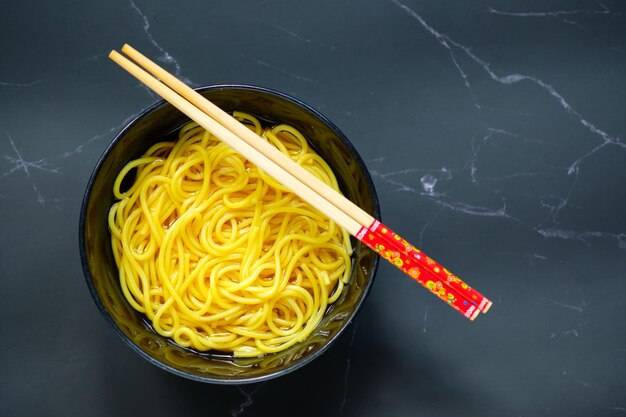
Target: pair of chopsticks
[[346, 214]]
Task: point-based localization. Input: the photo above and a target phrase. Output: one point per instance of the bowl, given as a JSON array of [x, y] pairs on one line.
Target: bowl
[[160, 122]]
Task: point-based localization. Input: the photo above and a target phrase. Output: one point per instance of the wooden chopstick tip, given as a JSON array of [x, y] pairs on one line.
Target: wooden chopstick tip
[[114, 55], [487, 307], [127, 48], [123, 62]]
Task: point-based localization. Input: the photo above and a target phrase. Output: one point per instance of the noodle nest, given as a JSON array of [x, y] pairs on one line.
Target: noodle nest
[[216, 253]]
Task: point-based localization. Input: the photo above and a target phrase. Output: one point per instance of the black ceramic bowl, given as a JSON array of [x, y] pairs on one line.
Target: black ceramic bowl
[[160, 122]]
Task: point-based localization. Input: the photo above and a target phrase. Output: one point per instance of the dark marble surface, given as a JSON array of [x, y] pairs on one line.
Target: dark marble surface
[[494, 131]]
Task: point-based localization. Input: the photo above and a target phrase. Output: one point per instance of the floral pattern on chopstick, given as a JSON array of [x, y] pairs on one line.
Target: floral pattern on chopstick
[[414, 263]]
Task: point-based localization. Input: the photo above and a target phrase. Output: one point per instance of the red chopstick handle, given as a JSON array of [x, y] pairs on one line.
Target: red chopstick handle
[[407, 260], [452, 281]]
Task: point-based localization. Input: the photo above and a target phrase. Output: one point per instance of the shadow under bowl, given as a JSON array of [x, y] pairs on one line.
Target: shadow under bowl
[[160, 122]]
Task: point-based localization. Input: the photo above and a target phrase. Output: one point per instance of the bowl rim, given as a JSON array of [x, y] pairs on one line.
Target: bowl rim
[[89, 279]]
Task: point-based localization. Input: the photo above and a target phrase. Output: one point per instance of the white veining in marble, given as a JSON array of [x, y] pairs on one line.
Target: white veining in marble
[[514, 78], [247, 402], [582, 236], [165, 56], [301, 38], [346, 375], [19, 85], [47, 164], [20, 164], [429, 223], [94, 58], [593, 35], [107, 134], [566, 333], [557, 13], [473, 160], [570, 306], [285, 72], [577, 380], [556, 204], [429, 181]]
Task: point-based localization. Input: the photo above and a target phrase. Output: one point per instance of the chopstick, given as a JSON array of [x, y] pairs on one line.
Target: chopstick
[[339, 201], [346, 214]]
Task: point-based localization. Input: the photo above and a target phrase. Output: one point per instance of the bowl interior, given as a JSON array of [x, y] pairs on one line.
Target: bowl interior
[[162, 121]]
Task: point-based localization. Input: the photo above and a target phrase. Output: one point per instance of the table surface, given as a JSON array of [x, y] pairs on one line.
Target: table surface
[[494, 132]]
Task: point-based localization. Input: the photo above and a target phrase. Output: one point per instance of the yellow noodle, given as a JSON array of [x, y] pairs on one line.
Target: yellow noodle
[[217, 254]]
